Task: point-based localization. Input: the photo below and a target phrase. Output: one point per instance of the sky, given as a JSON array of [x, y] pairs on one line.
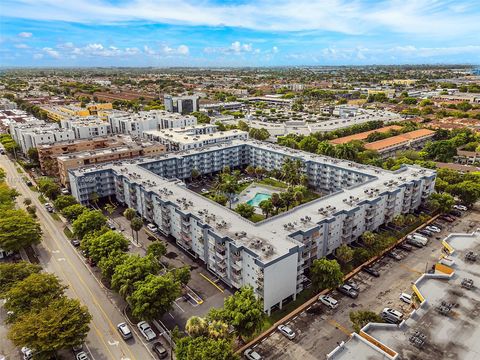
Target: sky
[[221, 33]]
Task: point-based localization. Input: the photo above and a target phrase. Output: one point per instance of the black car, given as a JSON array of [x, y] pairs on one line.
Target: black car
[[75, 242], [371, 271], [438, 225], [405, 247], [425, 232], [158, 349], [456, 213]]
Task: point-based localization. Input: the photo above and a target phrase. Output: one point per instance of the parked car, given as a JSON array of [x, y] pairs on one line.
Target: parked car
[[433, 228], [419, 236], [251, 354], [437, 225], [65, 191], [448, 261], [75, 242], [328, 301], [82, 355], [460, 207], [391, 315], [91, 262], [406, 298], [151, 227], [27, 353], [447, 218], [77, 348], [204, 190], [124, 331], [158, 349], [425, 232], [405, 247], [353, 284], [49, 207], [111, 225], [348, 290], [286, 331], [454, 212], [371, 271], [394, 255], [146, 331], [415, 242]]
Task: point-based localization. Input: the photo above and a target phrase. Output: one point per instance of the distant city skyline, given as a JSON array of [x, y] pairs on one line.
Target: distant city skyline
[[216, 33]]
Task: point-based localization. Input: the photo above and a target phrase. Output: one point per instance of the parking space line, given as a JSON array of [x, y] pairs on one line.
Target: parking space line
[[211, 282], [178, 306], [339, 327], [410, 269]]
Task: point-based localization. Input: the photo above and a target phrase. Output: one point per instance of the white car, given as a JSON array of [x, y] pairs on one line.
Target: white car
[[460, 207], [152, 228], [406, 298], [328, 301], [146, 331], [433, 229], [82, 355], [288, 332], [251, 354], [27, 353], [447, 261], [124, 331]]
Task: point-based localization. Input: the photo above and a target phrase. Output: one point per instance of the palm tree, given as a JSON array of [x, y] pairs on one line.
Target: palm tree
[[369, 238], [136, 224], [110, 209], [196, 326], [129, 215], [326, 148], [217, 329], [399, 220], [345, 151], [259, 171], [266, 206], [228, 184], [287, 198], [276, 201], [250, 170]]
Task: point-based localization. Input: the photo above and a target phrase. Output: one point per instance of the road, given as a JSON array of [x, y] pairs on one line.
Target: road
[[58, 256]]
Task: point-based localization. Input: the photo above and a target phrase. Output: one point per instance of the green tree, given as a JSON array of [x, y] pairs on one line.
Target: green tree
[[153, 296], [108, 264], [441, 201], [399, 220], [360, 318], [64, 201], [12, 273], [344, 253], [245, 210], [7, 197], [88, 221], [136, 224], [157, 249], [277, 201], [129, 214], [100, 246], [467, 191], [48, 187], [34, 292], [345, 151], [18, 230], [326, 274], [326, 148], [134, 268], [204, 348], [196, 326], [266, 206], [27, 201], [32, 154], [250, 170], [62, 324], [309, 143], [244, 312], [182, 274], [110, 209], [217, 329], [369, 238], [72, 212]]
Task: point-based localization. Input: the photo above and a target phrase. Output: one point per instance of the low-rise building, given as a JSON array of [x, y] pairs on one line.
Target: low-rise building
[[364, 135], [32, 134], [64, 112], [412, 140], [272, 255], [6, 104], [181, 104], [86, 127]]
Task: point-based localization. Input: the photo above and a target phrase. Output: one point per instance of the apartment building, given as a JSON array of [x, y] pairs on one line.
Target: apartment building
[[193, 137], [56, 159], [6, 104], [364, 135], [35, 133], [15, 116], [86, 127], [64, 112], [181, 104], [412, 140], [135, 124], [271, 255]]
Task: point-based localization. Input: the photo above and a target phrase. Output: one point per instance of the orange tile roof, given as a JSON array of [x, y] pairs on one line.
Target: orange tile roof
[[399, 139], [363, 135]]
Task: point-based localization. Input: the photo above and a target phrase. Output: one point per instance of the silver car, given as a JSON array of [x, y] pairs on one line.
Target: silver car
[[251, 354], [288, 332]]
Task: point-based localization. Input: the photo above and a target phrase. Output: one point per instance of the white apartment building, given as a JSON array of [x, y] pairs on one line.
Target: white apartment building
[[271, 255], [33, 134], [135, 124], [181, 104], [86, 127], [193, 137]]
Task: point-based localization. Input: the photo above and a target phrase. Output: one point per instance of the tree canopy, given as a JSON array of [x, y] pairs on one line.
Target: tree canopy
[[11, 273], [326, 274], [18, 230], [134, 268], [88, 221]]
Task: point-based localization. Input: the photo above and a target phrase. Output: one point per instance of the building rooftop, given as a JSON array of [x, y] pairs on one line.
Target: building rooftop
[[274, 231], [184, 138], [399, 139], [364, 135]]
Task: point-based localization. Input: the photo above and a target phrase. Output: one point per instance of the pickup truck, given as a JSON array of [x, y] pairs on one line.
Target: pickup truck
[[146, 331]]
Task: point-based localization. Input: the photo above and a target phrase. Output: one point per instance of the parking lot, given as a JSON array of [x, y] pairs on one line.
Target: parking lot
[[318, 334]]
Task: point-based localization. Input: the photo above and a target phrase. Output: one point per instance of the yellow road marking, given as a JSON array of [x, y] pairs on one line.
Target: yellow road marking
[[211, 282], [340, 327]]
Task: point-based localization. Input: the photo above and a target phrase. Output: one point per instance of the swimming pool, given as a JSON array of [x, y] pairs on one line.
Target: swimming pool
[[258, 198]]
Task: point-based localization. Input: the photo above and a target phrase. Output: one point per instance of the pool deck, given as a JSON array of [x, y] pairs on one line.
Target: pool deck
[[254, 188]]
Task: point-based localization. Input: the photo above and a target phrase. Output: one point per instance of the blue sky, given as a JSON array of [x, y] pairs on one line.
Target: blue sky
[[238, 33]]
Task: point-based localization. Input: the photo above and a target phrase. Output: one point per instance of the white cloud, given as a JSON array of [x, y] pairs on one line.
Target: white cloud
[[25, 34], [430, 18], [37, 56], [275, 50], [236, 48], [52, 53], [21, 46]]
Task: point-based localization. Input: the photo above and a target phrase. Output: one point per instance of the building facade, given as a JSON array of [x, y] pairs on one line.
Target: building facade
[[32, 134], [181, 104], [271, 255]]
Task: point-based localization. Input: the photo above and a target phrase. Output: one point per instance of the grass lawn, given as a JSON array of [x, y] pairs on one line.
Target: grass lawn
[[55, 216], [19, 170], [257, 217], [42, 199], [68, 233], [273, 182]]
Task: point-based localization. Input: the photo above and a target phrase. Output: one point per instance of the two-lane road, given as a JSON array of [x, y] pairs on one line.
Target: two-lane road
[[58, 256]]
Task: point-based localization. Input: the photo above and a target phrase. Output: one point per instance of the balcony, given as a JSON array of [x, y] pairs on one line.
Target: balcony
[[238, 266], [185, 237], [221, 255], [259, 290], [220, 247]]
